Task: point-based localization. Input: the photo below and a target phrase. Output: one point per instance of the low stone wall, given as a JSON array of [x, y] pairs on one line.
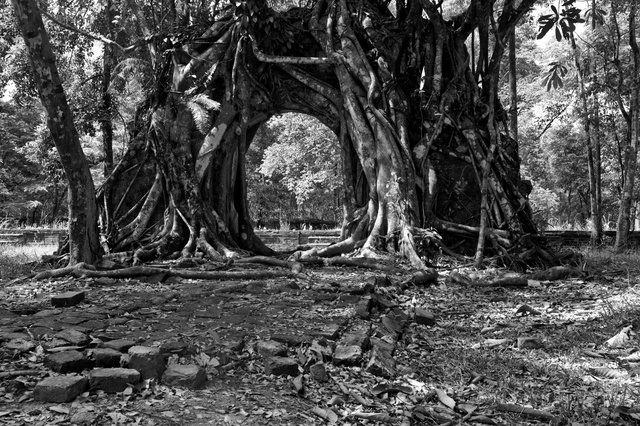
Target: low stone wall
[[32, 236], [292, 239]]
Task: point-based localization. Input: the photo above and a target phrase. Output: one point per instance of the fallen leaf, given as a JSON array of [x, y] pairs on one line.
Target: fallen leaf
[[607, 372], [60, 409], [527, 310], [492, 343], [325, 414], [621, 338], [634, 357], [445, 399], [467, 408]]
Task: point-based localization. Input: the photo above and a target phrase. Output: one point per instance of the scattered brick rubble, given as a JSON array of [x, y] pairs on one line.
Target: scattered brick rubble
[[88, 348]]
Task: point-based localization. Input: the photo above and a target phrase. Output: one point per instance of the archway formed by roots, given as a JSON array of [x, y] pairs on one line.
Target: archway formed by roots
[[293, 174], [424, 142]]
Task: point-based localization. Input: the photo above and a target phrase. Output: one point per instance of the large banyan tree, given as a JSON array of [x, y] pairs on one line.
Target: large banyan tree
[[410, 91]]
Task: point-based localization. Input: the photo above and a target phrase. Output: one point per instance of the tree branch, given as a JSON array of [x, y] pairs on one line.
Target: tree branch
[[300, 60], [96, 37]]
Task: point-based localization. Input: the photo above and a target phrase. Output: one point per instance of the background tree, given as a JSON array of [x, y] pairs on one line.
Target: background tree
[[83, 235]]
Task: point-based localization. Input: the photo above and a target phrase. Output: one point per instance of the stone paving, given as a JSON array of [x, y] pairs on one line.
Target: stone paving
[[214, 330]]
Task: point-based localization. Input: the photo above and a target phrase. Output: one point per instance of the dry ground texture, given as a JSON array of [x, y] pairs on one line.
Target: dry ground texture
[[579, 368]]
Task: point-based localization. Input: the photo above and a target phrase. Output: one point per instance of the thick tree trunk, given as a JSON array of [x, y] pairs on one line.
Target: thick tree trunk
[[419, 135], [83, 233]]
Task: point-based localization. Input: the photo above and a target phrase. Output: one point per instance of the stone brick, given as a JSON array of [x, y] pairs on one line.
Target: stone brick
[[347, 355], [318, 372], [323, 348], [174, 348], [391, 324], [66, 362], [363, 308], [60, 388], [289, 339], [529, 343], [120, 345], [381, 364], [113, 380], [382, 345], [383, 303], [70, 298], [328, 331], [422, 316], [19, 345], [104, 357], [280, 366], [267, 348], [147, 360], [73, 336], [356, 338], [189, 376]]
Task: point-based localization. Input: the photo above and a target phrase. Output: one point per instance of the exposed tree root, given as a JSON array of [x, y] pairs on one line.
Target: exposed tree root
[[271, 261], [357, 262], [141, 271]]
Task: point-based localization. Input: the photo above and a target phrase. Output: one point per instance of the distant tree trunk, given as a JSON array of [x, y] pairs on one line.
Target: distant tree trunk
[[513, 86], [631, 152], [106, 124], [592, 149], [83, 233]]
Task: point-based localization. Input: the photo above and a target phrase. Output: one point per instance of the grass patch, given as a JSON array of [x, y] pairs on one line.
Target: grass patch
[[18, 260]]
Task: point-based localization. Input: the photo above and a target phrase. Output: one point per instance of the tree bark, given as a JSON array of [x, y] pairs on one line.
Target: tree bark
[[83, 233], [420, 135], [592, 150], [631, 152]]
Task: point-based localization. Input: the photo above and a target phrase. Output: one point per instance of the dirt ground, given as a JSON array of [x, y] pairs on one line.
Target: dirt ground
[[535, 354]]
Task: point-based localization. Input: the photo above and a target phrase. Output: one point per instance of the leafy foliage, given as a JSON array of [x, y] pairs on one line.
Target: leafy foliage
[[294, 170]]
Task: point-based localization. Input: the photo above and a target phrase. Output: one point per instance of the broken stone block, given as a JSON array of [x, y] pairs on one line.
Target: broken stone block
[[73, 336], [104, 357], [288, 339], [356, 338], [112, 380], [347, 355], [363, 308], [189, 376], [120, 345], [391, 324], [84, 418], [382, 345], [70, 298], [384, 303], [173, 348], [10, 335], [280, 366], [60, 388], [529, 343], [323, 348], [19, 345], [399, 315], [422, 316], [147, 360], [267, 348], [318, 372], [66, 362], [328, 331], [381, 364]]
